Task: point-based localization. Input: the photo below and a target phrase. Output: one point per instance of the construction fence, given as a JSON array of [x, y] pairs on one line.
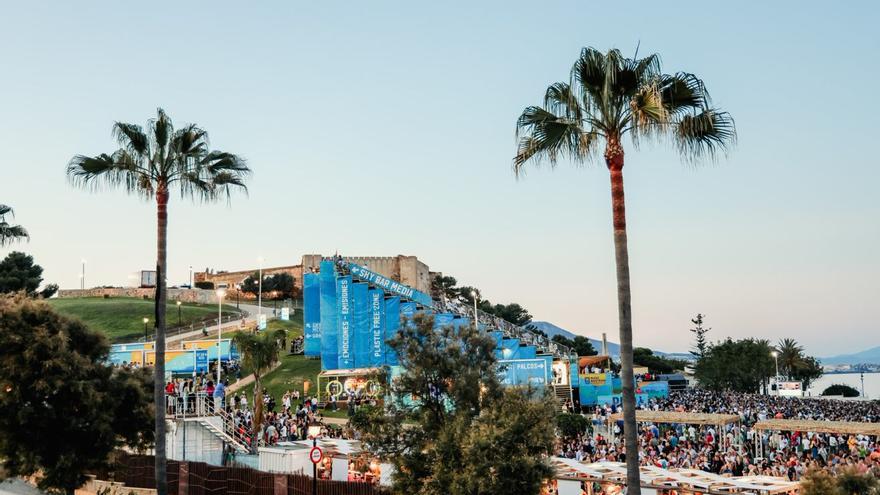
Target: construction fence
[[198, 478]]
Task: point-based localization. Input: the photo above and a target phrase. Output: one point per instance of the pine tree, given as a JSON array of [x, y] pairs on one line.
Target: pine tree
[[700, 342]]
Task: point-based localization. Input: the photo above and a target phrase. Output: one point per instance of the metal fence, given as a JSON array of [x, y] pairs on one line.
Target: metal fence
[[198, 478]]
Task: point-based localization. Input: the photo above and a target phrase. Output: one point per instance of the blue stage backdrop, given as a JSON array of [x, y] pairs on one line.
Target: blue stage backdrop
[[443, 320], [312, 314], [377, 328], [362, 331], [329, 332], [343, 324], [392, 326]]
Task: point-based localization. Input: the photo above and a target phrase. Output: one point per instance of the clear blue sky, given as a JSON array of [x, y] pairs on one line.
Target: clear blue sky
[[378, 128]]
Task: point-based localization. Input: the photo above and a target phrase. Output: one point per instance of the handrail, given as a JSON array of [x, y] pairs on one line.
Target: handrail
[[206, 325], [200, 405]]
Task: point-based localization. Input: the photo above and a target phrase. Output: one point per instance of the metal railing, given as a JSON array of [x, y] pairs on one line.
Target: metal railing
[[200, 405], [205, 326], [509, 330]]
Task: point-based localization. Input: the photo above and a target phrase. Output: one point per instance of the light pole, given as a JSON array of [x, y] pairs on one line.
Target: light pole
[[220, 294], [82, 277], [260, 294], [476, 318], [190, 276], [146, 320], [178, 313]]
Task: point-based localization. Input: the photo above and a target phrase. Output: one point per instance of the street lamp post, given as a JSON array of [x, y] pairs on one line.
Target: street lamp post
[[260, 295], [82, 277], [178, 313], [146, 320], [220, 294], [476, 318]]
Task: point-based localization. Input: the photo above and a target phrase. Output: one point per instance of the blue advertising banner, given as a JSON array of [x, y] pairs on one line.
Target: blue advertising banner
[[527, 352], [443, 320], [344, 339], [407, 312], [377, 328], [312, 314], [389, 285], [392, 325], [329, 332], [518, 372], [362, 331]]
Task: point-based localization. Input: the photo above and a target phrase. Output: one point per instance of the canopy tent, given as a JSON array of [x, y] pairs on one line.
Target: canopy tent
[[684, 481], [812, 426], [844, 427], [585, 361], [673, 417]]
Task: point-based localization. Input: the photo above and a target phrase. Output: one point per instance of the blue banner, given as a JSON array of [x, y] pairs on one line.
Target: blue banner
[[519, 372], [362, 331], [443, 320], [312, 314], [407, 312], [392, 326], [344, 339], [329, 332], [389, 285], [377, 328]]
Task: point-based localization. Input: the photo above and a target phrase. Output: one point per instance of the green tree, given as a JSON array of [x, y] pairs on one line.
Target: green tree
[[258, 353], [444, 286], [449, 426], [9, 232], [571, 425], [63, 410], [841, 389], [795, 365], [152, 163], [849, 481], [513, 313], [281, 284], [607, 97], [700, 342], [579, 344], [738, 366], [18, 272], [251, 285]]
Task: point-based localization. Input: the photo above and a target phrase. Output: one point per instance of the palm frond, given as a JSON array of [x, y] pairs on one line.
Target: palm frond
[[131, 137], [10, 233], [119, 169], [162, 128], [560, 100], [683, 91], [704, 134], [6, 210], [549, 136]]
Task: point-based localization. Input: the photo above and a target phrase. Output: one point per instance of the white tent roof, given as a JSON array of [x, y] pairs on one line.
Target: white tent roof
[[651, 476]]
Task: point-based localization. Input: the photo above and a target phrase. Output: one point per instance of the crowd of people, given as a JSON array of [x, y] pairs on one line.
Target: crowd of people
[[732, 449]]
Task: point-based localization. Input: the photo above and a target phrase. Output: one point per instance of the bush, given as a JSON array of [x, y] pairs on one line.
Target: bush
[[571, 425], [205, 285], [847, 482], [841, 389]]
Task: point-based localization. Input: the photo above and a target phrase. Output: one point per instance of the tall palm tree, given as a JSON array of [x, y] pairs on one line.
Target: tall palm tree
[[152, 163], [8, 232], [258, 353], [791, 356], [607, 97]]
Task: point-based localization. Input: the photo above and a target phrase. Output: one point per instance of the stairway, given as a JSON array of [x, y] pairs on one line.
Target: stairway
[[237, 444], [563, 393]]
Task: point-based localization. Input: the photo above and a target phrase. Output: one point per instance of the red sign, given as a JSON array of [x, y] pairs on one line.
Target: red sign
[[316, 455]]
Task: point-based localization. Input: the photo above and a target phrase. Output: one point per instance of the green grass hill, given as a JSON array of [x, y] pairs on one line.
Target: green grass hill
[[121, 319]]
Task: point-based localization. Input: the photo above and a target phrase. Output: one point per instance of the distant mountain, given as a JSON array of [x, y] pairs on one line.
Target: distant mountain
[[613, 348], [551, 330], [870, 356]]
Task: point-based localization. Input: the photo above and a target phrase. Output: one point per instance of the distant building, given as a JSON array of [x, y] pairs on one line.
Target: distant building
[[407, 270]]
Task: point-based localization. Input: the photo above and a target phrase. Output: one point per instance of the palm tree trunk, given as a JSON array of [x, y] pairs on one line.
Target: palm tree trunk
[[159, 366], [614, 160]]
